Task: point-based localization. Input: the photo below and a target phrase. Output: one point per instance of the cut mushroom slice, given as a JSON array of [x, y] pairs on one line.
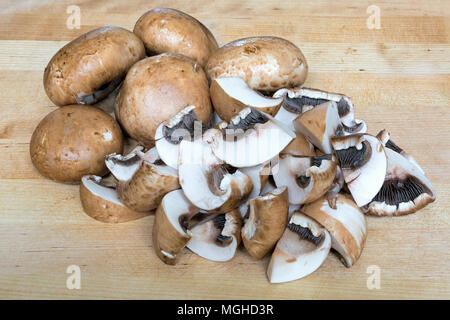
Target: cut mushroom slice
[[307, 178], [100, 202], [385, 138], [259, 175], [218, 238], [207, 182], [301, 250], [266, 222], [230, 95], [169, 134], [405, 189], [362, 159], [297, 99], [124, 167], [251, 138], [169, 236], [346, 225], [300, 146], [319, 125], [147, 186]]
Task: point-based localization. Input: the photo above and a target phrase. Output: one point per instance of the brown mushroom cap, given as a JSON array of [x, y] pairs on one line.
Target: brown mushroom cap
[[156, 89], [91, 62], [72, 141], [169, 30], [265, 63]]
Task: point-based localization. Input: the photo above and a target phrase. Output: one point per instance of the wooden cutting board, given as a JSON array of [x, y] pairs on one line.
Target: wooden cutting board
[[397, 75]]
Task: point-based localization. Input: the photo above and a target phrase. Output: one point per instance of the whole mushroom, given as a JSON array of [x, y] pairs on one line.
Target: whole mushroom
[[72, 141], [89, 68]]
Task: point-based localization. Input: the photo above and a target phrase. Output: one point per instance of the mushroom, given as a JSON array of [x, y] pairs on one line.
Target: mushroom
[[265, 63], [299, 100], [169, 134], [156, 89], [405, 188], [346, 225], [100, 202], [148, 185], [307, 178], [207, 182], [385, 138], [319, 125], [169, 236], [301, 250], [230, 95], [299, 146], [259, 175], [218, 238], [124, 167], [266, 222], [72, 141], [169, 30], [89, 68], [251, 138], [362, 159]]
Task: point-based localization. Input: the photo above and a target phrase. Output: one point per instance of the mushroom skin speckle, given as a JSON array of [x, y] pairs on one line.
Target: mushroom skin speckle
[[90, 67], [73, 141], [169, 30], [156, 89]]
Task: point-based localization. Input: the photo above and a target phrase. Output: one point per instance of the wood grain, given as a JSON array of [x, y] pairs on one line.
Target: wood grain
[[398, 77]]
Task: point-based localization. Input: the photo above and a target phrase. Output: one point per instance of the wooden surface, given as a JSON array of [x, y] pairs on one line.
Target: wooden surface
[[398, 77]]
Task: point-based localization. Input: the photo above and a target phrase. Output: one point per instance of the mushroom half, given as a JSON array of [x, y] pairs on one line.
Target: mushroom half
[[230, 95], [100, 201], [207, 182], [169, 134], [169, 234], [307, 178], [251, 138], [405, 188], [346, 225], [362, 159], [301, 250], [266, 222], [218, 237]]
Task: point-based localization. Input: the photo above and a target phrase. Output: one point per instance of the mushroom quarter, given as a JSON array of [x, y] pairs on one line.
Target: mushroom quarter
[[73, 141], [90, 67], [156, 89], [265, 63], [169, 30]]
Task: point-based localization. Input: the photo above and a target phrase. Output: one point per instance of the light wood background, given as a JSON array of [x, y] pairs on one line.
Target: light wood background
[[398, 77]]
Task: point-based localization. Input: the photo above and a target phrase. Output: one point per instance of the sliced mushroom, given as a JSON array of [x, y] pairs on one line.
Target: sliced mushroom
[[307, 178], [297, 100], [319, 125], [251, 138], [184, 125], [218, 238], [300, 146], [124, 167], [266, 222], [346, 225], [405, 189], [207, 182], [100, 202], [301, 250], [230, 95], [385, 138], [259, 175], [169, 236], [147, 186], [362, 159]]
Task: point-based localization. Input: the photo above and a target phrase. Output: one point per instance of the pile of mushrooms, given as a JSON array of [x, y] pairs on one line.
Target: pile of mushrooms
[[222, 144]]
